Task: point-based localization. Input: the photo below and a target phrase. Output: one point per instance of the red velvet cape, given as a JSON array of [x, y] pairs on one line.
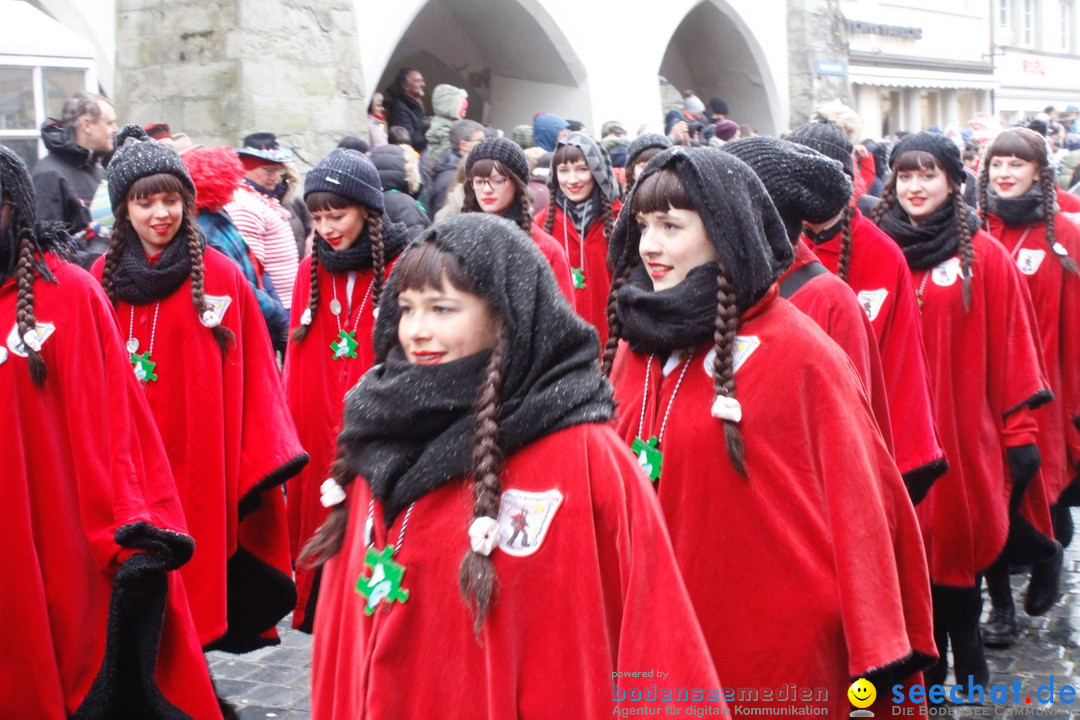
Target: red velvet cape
[[231, 444], [777, 562], [590, 303], [90, 514], [877, 264], [315, 387], [1055, 295], [828, 301], [986, 372], [556, 257], [600, 595]]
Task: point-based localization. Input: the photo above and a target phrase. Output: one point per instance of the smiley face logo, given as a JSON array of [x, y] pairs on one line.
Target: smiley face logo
[[862, 693]]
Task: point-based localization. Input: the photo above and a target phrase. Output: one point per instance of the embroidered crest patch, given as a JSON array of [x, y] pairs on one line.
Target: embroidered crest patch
[[947, 272], [1029, 260], [871, 301], [745, 345], [35, 338], [218, 304], [524, 520]]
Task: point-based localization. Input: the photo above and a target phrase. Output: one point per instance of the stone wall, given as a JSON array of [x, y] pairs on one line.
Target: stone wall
[[815, 32], [220, 70]]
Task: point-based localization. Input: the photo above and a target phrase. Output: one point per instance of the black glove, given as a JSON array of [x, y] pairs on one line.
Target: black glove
[[1024, 462]]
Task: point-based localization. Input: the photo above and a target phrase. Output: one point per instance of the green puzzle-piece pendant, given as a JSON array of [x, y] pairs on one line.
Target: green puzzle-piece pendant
[[648, 456], [144, 367], [345, 346], [384, 585], [578, 275]]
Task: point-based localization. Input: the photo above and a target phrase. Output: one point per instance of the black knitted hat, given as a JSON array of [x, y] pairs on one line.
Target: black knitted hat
[[505, 151], [137, 156], [351, 175], [942, 148], [803, 184], [642, 143], [827, 138], [738, 215]]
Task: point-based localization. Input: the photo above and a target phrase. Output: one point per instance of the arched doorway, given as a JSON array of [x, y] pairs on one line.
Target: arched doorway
[[509, 55], [713, 53]]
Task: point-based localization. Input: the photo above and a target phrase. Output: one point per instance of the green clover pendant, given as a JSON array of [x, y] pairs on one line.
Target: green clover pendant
[[144, 367], [649, 456], [578, 275], [345, 346], [384, 585]]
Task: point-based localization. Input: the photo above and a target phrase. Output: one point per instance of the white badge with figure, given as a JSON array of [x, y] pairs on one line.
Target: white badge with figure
[[35, 337], [745, 345], [871, 301], [1029, 260], [216, 307], [524, 520], [947, 272]]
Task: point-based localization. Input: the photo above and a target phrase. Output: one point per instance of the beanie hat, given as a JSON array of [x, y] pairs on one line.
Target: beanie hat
[[718, 107], [642, 143], [523, 136], [137, 156], [803, 183], [693, 105], [1072, 141], [503, 150], [942, 148], [726, 129], [349, 174], [739, 218], [598, 160], [828, 139]]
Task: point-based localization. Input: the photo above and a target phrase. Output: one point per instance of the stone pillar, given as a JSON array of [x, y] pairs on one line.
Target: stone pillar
[[815, 32], [868, 99], [220, 70]]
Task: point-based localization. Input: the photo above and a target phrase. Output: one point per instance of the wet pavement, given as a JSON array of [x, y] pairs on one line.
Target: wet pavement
[[273, 682]]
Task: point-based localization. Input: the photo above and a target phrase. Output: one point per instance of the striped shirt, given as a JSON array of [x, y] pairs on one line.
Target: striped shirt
[[264, 223]]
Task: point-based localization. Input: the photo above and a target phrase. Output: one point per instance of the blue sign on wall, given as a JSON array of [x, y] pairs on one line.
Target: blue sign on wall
[[830, 67]]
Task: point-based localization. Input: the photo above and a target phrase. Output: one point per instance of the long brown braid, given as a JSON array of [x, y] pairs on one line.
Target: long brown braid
[[1049, 192], [121, 230], [984, 192], [967, 250], [723, 370], [329, 537], [614, 326], [887, 201], [476, 578], [549, 221], [844, 266], [222, 335], [608, 216], [374, 227], [24, 303]]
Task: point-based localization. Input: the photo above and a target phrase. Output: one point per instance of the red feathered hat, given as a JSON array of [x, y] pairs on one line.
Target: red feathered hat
[[216, 173]]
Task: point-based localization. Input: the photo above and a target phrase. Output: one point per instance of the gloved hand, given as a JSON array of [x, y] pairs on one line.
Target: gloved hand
[[1024, 462]]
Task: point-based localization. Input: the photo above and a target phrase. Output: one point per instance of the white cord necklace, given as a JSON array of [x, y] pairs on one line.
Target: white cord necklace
[[143, 365], [384, 583], [648, 452], [345, 345]]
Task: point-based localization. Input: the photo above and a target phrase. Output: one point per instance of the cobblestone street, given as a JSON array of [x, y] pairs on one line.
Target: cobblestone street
[[273, 682]]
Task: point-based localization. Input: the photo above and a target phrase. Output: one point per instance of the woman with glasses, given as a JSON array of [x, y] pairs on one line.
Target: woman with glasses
[[497, 182]]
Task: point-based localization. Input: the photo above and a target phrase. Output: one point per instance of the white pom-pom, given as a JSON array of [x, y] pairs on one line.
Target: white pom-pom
[[305, 317], [726, 408], [210, 319], [330, 493], [1060, 250], [484, 535], [375, 313], [32, 340]]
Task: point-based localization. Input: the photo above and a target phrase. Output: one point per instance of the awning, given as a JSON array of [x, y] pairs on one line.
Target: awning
[[908, 78], [30, 32]]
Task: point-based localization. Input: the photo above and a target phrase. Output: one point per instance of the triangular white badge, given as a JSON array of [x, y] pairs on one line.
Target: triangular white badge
[[871, 301], [524, 520]]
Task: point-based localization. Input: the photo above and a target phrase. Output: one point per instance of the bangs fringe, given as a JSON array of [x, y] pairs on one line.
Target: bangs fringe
[[567, 154], [1019, 142], [426, 266], [160, 183], [916, 160], [322, 201], [659, 192]]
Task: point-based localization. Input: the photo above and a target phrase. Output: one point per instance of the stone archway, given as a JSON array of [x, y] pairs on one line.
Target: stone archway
[[713, 53], [510, 56]]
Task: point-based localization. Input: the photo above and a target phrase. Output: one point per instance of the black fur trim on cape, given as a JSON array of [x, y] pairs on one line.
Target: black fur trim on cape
[[259, 595], [1037, 400], [125, 686], [919, 480], [898, 670], [1025, 545], [251, 501], [1070, 496], [308, 626]]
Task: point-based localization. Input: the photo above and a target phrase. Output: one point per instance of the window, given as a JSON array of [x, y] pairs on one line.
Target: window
[[1027, 33], [1066, 24], [1004, 14], [28, 95]]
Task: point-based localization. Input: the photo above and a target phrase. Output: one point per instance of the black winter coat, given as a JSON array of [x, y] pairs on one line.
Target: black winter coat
[[401, 207], [66, 179], [411, 116]]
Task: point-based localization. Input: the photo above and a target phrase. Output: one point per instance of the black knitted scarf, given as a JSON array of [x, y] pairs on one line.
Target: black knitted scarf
[[358, 257], [581, 214], [1023, 210], [409, 429], [138, 282], [678, 317], [930, 243]]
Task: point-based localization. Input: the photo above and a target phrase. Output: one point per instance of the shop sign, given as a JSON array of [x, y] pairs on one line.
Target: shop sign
[[858, 27]]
